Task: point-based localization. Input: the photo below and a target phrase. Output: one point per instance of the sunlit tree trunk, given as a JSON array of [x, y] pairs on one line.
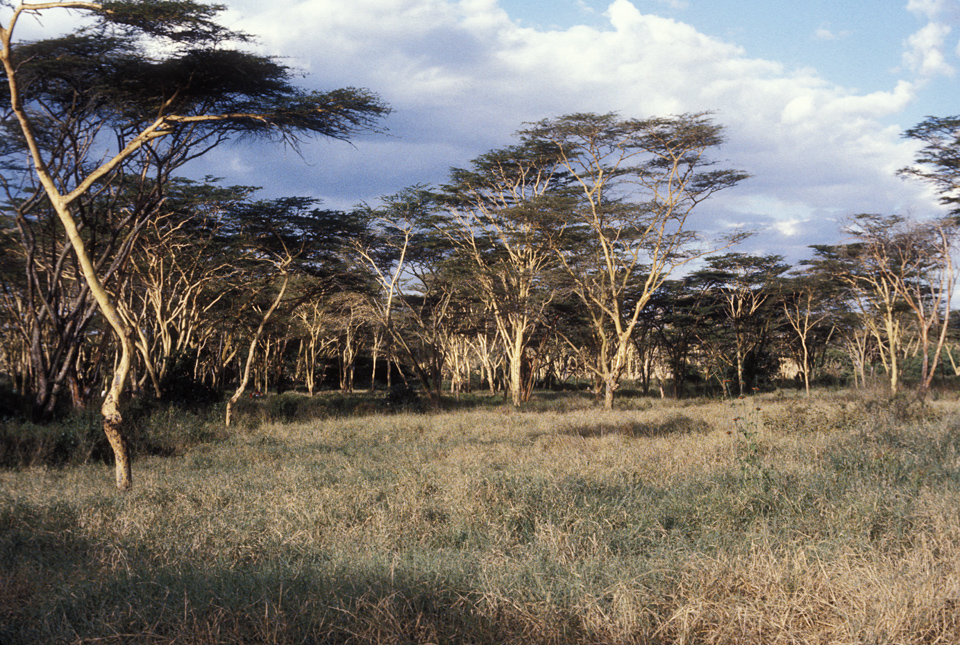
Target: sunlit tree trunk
[[248, 364]]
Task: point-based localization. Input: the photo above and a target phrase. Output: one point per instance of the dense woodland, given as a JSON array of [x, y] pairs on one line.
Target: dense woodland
[[569, 258]]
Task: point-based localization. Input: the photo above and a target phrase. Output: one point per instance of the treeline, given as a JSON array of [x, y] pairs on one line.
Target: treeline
[[448, 290], [558, 257]]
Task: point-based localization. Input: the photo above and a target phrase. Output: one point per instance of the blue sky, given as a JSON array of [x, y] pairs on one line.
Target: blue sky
[[814, 95]]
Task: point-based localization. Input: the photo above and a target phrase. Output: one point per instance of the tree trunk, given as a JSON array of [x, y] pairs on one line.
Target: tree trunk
[[609, 387], [113, 420], [741, 386], [806, 365], [516, 373], [113, 428], [253, 348]]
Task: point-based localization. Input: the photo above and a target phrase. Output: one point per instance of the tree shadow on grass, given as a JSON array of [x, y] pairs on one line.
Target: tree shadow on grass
[[60, 583], [678, 424], [271, 604]]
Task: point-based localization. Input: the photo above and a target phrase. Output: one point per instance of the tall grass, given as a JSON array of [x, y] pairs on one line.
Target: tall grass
[[763, 520]]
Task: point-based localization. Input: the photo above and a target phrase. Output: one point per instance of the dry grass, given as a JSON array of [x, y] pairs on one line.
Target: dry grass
[[763, 520]]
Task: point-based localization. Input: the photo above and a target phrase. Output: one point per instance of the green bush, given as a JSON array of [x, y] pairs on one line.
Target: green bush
[[403, 398], [181, 389]]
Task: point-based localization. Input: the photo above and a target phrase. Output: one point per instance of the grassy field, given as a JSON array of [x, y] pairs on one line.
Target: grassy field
[[773, 519]]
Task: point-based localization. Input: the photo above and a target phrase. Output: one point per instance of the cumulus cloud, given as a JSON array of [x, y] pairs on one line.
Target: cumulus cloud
[[462, 77], [925, 51]]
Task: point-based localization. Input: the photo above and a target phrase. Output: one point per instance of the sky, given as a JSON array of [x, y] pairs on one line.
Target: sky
[[813, 96]]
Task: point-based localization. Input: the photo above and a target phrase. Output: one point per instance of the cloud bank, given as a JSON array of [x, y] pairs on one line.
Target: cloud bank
[[462, 77]]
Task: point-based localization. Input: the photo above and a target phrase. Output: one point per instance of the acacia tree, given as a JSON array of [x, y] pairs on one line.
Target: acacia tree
[[199, 271], [14, 352], [927, 248], [282, 265], [680, 310], [858, 322], [411, 261], [744, 289], [292, 242], [809, 302], [390, 232], [871, 266], [66, 94], [637, 183], [909, 267], [58, 308], [506, 213], [166, 77], [938, 162], [313, 320], [181, 269]]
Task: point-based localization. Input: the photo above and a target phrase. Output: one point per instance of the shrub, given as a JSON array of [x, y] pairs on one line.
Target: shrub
[[403, 398], [73, 440]]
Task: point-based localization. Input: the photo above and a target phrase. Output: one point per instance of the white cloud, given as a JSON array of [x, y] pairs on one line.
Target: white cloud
[[824, 32], [925, 51], [929, 8], [462, 77]]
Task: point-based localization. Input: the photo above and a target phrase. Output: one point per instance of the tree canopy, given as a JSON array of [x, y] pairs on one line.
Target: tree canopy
[[139, 88]]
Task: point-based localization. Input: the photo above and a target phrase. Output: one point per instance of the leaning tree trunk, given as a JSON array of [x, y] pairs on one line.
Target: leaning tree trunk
[[110, 410], [112, 420]]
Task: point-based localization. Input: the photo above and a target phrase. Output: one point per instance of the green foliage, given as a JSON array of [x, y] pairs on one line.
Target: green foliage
[[181, 390], [154, 428], [403, 398], [677, 424], [294, 407], [938, 162], [135, 91], [165, 429], [86, 76], [13, 406], [181, 21]]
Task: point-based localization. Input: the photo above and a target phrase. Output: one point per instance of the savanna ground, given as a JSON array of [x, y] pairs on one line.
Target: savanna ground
[[770, 519]]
